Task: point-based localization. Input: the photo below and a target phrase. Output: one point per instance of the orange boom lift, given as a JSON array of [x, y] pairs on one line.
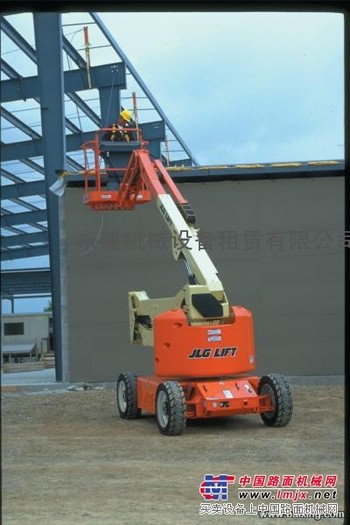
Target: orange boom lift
[[203, 346]]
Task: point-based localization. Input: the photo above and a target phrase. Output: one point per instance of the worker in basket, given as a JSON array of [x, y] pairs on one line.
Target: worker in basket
[[119, 131]]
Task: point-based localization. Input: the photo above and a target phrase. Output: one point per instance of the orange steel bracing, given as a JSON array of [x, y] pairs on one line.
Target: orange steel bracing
[[87, 54]]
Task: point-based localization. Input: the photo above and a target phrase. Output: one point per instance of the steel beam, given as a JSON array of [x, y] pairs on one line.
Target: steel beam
[[30, 51], [39, 226], [85, 108], [75, 80], [24, 189], [10, 176], [25, 238], [8, 70], [141, 83], [81, 63], [13, 230], [73, 53], [10, 117], [21, 150], [35, 148], [11, 73], [109, 104], [74, 164], [33, 165], [23, 253], [48, 44], [14, 279], [28, 130], [18, 39], [71, 126], [27, 295], [153, 130], [26, 217], [25, 204], [74, 141]]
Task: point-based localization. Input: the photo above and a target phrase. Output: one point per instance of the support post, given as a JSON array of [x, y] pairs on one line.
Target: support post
[[48, 43]]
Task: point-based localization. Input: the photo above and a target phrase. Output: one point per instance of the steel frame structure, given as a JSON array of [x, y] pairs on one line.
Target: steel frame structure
[[53, 149], [20, 87], [33, 229]]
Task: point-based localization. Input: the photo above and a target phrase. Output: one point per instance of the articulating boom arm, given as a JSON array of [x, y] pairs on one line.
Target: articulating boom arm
[[202, 299], [176, 212]]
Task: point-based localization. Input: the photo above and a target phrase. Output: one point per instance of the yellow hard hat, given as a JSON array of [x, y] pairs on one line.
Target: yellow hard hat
[[126, 114]]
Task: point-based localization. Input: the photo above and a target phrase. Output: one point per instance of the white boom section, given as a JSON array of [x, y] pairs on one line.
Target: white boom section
[[185, 240]]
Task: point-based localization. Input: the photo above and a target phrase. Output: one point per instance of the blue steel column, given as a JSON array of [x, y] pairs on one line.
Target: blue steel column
[[109, 104], [48, 41]]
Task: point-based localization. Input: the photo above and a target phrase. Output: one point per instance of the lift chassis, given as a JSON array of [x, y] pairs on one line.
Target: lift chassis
[[203, 347]]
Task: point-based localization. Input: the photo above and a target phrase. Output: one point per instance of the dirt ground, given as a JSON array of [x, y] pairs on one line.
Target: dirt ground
[[67, 458]]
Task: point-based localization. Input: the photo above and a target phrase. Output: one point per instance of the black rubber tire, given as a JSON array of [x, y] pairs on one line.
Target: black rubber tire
[[170, 408], [127, 396], [277, 388]]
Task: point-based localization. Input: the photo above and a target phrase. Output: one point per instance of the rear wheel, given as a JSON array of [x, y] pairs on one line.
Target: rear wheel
[[276, 387], [127, 396], [171, 408]]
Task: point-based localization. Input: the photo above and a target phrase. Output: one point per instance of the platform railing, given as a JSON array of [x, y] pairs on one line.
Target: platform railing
[[95, 146]]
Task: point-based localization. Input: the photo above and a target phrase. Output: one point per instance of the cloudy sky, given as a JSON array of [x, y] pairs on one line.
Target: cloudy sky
[[243, 87], [238, 87]]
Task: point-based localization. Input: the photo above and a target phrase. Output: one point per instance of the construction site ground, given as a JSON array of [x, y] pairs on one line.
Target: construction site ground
[[67, 458]]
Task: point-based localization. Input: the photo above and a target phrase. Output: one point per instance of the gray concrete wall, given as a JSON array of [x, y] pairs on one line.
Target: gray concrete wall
[[277, 247]]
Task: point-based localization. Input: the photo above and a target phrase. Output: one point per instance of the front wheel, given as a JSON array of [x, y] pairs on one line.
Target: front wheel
[[127, 396], [171, 408], [276, 387]]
